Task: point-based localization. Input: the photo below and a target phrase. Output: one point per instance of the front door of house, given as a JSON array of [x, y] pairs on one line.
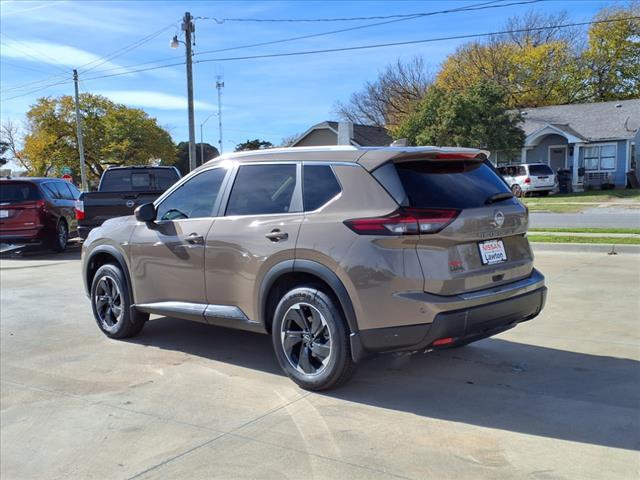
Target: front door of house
[[557, 158]]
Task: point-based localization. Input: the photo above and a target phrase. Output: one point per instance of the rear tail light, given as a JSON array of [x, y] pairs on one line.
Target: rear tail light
[[443, 341], [527, 180], [405, 221], [79, 210]]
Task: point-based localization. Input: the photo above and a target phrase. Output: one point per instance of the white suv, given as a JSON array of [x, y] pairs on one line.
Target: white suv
[[529, 178]]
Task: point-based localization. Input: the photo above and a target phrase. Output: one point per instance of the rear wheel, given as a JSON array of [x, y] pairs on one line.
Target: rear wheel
[[111, 304], [311, 339], [61, 239]]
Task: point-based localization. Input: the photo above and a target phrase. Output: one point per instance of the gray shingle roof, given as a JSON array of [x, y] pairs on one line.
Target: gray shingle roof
[[591, 121]]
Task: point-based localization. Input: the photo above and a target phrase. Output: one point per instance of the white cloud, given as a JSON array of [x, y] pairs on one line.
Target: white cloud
[[148, 99], [52, 53]]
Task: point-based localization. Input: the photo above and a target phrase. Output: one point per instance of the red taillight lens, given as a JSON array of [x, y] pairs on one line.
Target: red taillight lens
[[443, 341], [527, 180], [405, 221], [79, 210]]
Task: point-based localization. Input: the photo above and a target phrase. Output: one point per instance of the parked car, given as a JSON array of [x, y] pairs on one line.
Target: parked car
[[530, 178], [336, 252], [37, 211], [120, 191]]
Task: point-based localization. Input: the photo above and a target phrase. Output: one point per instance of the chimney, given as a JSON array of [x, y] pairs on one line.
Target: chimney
[[345, 133]]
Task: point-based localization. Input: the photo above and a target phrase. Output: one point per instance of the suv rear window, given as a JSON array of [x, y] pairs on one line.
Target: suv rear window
[[538, 170], [442, 184], [154, 179], [16, 192]]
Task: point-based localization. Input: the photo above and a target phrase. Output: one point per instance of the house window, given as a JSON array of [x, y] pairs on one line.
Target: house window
[[600, 157]]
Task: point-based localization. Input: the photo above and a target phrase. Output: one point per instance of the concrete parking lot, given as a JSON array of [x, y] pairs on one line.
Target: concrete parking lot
[[555, 398]]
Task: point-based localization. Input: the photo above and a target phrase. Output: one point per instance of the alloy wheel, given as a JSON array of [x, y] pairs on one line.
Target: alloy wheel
[[63, 235], [306, 339], [108, 302]]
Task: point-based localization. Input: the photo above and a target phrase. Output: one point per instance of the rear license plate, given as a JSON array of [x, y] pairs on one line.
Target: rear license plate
[[492, 252], [4, 213]]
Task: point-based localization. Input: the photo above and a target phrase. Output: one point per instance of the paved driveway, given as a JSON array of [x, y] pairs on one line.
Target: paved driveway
[[556, 398]]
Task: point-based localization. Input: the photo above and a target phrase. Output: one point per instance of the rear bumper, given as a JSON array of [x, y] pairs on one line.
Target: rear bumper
[[465, 319], [31, 236], [545, 188]]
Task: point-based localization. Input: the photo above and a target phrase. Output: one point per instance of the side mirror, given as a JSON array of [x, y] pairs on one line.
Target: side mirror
[[146, 212]]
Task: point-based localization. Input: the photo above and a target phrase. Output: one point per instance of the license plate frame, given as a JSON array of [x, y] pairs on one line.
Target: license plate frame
[[492, 252]]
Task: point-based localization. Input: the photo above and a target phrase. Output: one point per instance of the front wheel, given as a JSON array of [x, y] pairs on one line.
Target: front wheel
[[311, 339], [111, 304]]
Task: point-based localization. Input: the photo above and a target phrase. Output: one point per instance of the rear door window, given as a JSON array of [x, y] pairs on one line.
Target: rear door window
[[319, 185], [540, 170], [63, 192], [263, 189], [18, 192], [51, 191], [447, 184]]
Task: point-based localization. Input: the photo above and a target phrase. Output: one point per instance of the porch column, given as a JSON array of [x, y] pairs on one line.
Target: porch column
[[576, 185]]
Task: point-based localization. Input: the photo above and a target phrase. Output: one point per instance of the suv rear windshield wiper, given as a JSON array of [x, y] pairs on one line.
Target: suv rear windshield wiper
[[496, 197]]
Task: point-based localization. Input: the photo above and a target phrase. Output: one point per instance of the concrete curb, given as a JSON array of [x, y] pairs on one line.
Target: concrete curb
[[584, 247]]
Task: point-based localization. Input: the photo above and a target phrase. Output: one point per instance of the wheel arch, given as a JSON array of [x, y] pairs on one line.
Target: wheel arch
[[291, 272], [102, 255]]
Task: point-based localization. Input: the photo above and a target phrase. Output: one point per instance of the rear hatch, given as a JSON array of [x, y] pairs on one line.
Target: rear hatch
[[541, 176], [20, 206], [471, 229]]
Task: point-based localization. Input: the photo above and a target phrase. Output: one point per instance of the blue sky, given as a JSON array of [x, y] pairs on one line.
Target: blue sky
[[266, 98]]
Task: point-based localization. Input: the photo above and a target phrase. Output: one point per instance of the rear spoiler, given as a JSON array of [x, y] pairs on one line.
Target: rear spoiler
[[372, 159]]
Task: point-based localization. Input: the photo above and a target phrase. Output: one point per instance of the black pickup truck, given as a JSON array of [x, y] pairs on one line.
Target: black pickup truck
[[120, 191]]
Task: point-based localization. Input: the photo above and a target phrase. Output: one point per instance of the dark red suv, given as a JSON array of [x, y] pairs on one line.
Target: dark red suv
[[38, 211]]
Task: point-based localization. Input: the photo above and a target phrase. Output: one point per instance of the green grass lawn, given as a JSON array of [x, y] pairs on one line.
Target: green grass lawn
[[557, 203], [603, 231], [566, 239]]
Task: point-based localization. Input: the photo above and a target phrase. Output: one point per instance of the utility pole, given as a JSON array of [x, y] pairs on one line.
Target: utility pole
[[83, 173], [189, 28], [219, 86]]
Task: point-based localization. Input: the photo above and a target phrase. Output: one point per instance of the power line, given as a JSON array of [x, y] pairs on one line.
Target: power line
[[325, 20], [284, 40], [126, 49], [479, 6], [37, 90], [378, 45], [17, 44]]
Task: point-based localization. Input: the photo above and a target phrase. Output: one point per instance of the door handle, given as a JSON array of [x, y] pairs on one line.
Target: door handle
[[276, 235], [195, 239]]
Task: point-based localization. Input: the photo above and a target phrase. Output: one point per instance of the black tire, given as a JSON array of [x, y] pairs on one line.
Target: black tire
[[121, 322], [61, 238], [308, 368]]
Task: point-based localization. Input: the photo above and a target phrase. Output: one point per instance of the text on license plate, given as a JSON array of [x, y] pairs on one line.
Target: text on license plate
[[492, 251]]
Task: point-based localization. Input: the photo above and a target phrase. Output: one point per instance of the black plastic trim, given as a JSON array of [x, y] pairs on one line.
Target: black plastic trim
[[464, 326], [114, 252]]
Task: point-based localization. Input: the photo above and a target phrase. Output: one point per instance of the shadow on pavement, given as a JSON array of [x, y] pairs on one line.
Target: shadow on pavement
[[40, 253], [494, 383]]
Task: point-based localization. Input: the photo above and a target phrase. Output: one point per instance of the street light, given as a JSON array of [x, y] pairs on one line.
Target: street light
[[175, 43], [201, 141]]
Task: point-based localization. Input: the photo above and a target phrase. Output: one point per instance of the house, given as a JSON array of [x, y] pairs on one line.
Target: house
[[343, 133], [595, 141]]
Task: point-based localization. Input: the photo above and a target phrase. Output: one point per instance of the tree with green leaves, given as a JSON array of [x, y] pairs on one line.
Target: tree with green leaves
[[113, 135], [255, 144], [612, 58], [182, 162], [477, 117]]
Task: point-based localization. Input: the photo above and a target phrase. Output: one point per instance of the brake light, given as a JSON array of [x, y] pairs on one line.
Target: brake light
[[405, 221], [443, 341], [527, 180], [79, 210]]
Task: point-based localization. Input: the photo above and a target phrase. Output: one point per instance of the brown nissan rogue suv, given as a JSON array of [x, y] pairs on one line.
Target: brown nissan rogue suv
[[333, 251]]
